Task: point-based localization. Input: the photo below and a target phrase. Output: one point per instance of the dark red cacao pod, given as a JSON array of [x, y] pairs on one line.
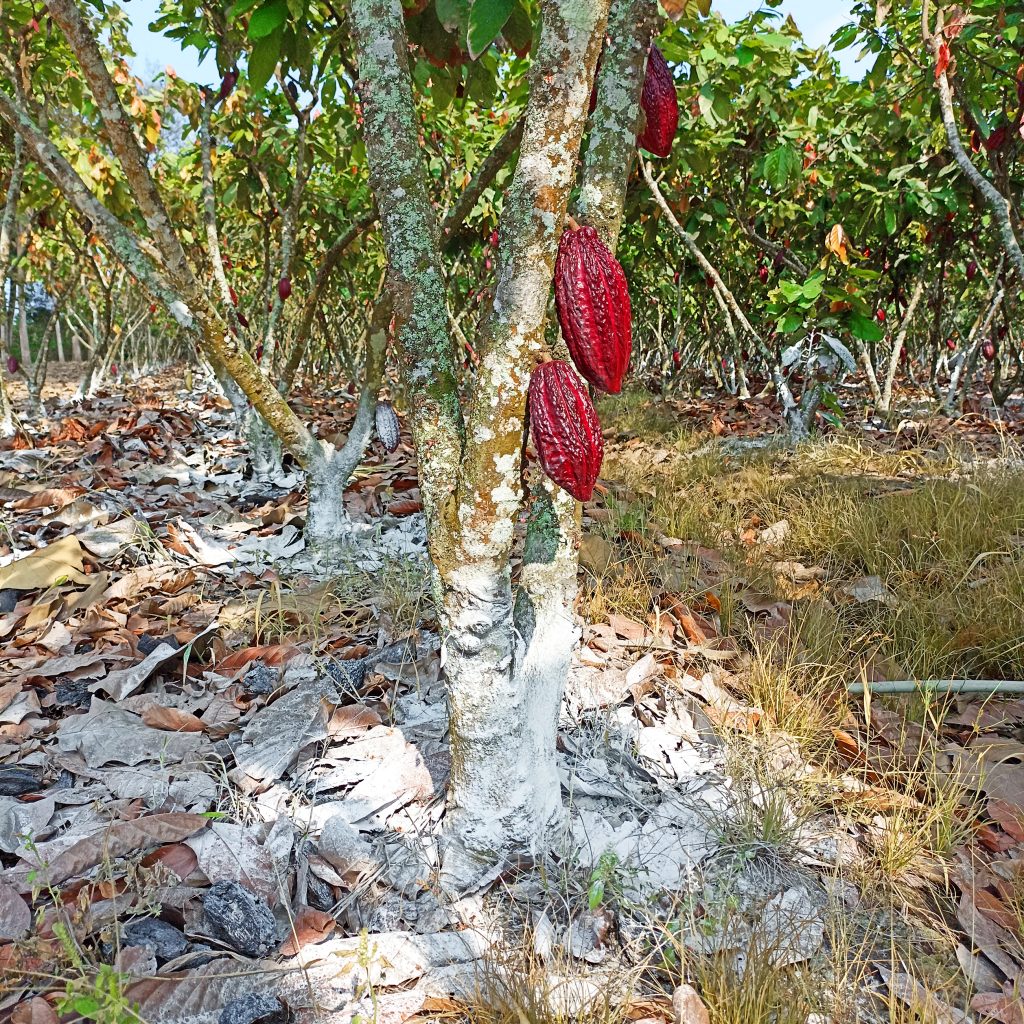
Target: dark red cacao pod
[[988, 350], [284, 288], [660, 106], [593, 308], [565, 429], [386, 421], [12, 364]]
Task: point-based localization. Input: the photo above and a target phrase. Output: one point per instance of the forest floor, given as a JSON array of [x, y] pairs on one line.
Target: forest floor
[[222, 766]]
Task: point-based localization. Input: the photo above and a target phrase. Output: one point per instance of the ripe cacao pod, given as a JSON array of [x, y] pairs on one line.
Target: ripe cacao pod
[[227, 84], [12, 364], [386, 421], [660, 106], [988, 350], [284, 288], [593, 308], [565, 429]]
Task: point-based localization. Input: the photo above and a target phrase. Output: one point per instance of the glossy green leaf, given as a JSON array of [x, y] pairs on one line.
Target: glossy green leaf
[[267, 18], [486, 19], [263, 59]]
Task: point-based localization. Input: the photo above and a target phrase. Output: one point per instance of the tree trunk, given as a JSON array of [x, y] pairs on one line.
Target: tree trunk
[[60, 343], [263, 448], [26, 348], [7, 426]]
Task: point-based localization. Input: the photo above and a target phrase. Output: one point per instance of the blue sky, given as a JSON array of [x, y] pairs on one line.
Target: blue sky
[[818, 19]]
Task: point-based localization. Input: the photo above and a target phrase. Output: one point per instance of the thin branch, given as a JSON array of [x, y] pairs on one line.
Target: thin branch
[[997, 202]]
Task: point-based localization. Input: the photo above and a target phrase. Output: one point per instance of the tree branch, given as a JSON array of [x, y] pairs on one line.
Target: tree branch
[[124, 142], [997, 202], [398, 178], [615, 122]]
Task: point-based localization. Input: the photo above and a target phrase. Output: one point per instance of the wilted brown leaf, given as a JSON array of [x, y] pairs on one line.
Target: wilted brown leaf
[[308, 927], [121, 839]]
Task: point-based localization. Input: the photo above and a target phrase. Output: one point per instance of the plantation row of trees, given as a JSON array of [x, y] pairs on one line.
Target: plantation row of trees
[[380, 189]]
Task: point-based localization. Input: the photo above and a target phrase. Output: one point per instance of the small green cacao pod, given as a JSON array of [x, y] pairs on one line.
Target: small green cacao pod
[[386, 421]]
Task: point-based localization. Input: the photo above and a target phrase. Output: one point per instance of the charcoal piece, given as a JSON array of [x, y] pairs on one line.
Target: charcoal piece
[[8, 600], [255, 1008], [319, 894], [240, 919], [148, 644], [72, 693], [166, 941], [261, 679], [15, 781], [351, 673]]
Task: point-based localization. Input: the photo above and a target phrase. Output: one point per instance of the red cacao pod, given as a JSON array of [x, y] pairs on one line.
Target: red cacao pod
[[951, 344], [386, 421], [284, 288], [12, 364], [988, 350], [227, 84], [593, 308], [565, 429], [660, 106]]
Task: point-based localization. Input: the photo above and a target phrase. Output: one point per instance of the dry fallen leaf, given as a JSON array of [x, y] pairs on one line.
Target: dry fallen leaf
[[61, 560], [308, 927]]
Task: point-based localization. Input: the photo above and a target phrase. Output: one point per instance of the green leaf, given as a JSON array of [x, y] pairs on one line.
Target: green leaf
[[890, 219], [790, 323], [780, 165], [813, 285], [844, 37], [270, 16], [263, 59], [453, 14], [595, 894], [708, 107], [863, 328], [518, 30], [486, 19]]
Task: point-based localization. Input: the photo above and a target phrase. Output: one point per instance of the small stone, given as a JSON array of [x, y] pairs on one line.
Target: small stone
[[261, 679], [344, 848], [239, 919], [688, 1007], [255, 1008], [166, 941]]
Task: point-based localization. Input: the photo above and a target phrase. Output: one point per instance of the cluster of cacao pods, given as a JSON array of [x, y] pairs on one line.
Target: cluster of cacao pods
[[592, 301]]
